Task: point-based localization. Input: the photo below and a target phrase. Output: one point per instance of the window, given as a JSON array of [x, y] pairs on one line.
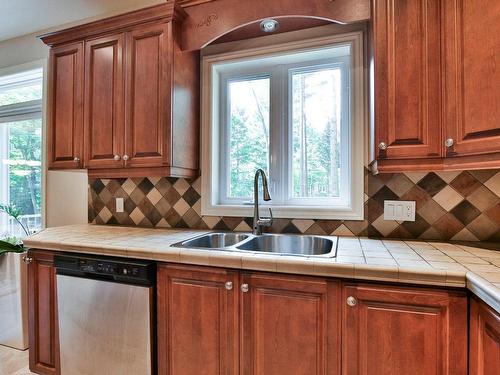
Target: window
[[297, 112], [21, 150]]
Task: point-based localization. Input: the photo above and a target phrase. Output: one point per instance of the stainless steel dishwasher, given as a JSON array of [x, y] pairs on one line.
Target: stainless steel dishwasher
[[106, 315]]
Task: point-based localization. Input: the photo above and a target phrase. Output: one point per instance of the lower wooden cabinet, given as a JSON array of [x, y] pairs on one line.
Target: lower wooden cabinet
[[43, 329], [484, 340], [197, 321], [289, 325], [391, 330], [214, 321]]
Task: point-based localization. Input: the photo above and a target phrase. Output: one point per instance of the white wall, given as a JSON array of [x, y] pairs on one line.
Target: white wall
[[66, 191]]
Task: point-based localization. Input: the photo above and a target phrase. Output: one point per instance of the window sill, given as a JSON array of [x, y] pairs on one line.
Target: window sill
[[286, 212]]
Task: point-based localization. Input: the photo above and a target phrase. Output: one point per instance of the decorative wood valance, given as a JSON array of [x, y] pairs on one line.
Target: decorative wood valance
[[207, 20]]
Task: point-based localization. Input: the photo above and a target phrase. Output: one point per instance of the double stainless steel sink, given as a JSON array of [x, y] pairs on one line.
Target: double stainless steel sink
[[278, 244]]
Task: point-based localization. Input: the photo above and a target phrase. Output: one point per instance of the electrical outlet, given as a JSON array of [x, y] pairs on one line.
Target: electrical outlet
[[119, 205], [399, 210]]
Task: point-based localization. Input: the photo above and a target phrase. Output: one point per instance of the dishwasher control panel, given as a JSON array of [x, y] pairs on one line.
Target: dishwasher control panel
[[116, 269]]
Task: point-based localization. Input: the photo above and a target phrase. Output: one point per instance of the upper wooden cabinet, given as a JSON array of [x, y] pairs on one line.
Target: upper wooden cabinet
[[472, 76], [407, 96], [395, 330], [65, 107], [484, 339], [436, 84], [104, 101], [141, 101]]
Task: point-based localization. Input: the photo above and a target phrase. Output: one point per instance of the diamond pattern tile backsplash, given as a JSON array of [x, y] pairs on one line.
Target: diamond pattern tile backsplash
[[461, 205]]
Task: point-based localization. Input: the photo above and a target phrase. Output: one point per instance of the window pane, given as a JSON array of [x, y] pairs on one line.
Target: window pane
[[248, 133], [316, 118], [21, 87], [20, 174]]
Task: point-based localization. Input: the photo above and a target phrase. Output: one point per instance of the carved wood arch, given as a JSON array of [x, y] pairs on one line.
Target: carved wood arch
[[208, 20]]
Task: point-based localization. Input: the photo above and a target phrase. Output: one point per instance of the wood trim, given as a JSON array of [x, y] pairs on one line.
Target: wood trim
[[165, 12], [166, 171], [36, 308]]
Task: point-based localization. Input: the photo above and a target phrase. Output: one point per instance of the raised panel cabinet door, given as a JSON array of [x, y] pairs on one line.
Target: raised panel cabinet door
[[289, 325], [148, 120], [43, 329], [395, 330], [472, 40], [65, 107], [104, 101], [406, 37], [484, 349], [197, 321]]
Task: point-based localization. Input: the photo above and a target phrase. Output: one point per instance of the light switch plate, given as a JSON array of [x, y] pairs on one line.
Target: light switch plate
[[119, 205], [399, 210]]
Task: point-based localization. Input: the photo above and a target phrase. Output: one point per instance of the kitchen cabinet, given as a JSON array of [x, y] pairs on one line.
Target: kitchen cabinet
[[407, 78], [435, 84], [214, 321], [484, 339], [289, 325], [141, 102], [395, 330], [43, 329], [104, 101], [197, 320], [472, 76], [65, 107]]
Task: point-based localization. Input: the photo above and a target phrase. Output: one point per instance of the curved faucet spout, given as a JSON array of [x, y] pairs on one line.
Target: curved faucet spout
[[259, 222]]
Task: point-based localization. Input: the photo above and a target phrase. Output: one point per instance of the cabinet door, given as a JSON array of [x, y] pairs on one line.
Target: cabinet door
[[407, 79], [484, 350], [65, 107], [472, 72], [148, 101], [391, 330], [43, 329], [289, 325], [197, 321], [104, 101]]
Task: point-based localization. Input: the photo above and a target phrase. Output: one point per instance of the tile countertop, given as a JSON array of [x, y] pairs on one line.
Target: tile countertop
[[413, 262]]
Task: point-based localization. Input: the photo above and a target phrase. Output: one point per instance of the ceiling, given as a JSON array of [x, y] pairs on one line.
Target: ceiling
[[21, 17]]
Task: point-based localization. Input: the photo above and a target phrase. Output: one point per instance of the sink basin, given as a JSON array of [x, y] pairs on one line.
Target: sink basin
[[215, 240], [289, 244], [278, 244]]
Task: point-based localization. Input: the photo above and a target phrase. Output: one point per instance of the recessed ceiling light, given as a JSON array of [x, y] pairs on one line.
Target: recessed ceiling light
[[269, 25]]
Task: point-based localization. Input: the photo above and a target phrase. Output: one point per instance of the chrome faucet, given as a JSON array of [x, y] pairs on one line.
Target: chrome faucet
[[259, 222]]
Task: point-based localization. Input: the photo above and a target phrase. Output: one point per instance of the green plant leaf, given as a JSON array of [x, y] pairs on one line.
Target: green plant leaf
[[9, 247], [10, 210]]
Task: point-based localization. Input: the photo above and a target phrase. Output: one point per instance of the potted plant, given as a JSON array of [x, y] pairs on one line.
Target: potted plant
[[13, 286]]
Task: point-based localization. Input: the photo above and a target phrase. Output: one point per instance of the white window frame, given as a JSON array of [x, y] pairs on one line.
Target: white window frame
[[212, 131], [25, 111]]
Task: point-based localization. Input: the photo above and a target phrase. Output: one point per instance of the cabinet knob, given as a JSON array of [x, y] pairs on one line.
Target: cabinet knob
[[244, 288], [125, 157], [449, 142], [229, 285], [116, 157], [76, 160], [382, 146], [351, 301], [27, 260]]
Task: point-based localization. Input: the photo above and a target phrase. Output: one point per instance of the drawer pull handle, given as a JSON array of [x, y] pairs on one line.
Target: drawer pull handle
[[382, 146], [449, 142], [244, 288], [229, 285]]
